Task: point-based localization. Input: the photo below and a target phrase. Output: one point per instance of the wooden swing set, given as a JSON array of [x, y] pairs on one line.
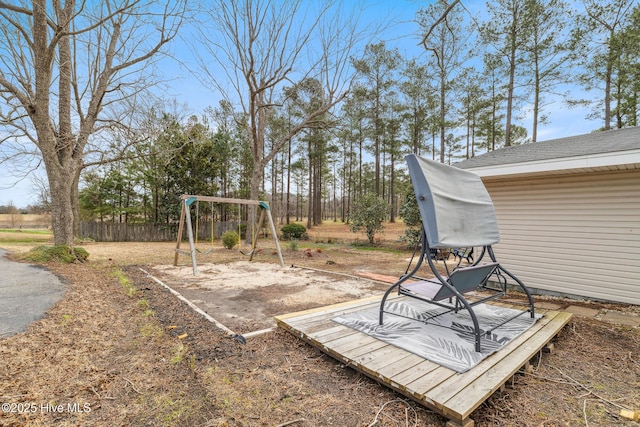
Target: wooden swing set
[[185, 216]]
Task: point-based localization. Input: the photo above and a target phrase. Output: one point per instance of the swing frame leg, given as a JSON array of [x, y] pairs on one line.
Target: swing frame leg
[[255, 234]]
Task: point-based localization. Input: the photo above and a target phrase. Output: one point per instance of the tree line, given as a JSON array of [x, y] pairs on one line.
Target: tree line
[[316, 112], [435, 106]]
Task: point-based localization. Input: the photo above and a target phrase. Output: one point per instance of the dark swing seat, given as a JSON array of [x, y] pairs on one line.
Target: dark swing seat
[[463, 280], [456, 212]]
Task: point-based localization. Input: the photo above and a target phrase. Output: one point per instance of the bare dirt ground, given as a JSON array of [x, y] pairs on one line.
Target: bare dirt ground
[[119, 349]]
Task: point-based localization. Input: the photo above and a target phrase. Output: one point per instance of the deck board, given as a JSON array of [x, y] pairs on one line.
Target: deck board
[[452, 395]]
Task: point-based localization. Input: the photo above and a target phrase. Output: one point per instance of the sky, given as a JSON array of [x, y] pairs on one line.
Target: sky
[[401, 34]]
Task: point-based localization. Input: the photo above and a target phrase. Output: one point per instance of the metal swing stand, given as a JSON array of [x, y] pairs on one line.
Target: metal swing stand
[[185, 216], [456, 212]]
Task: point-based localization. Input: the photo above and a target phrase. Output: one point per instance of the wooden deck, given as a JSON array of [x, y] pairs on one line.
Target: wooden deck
[[453, 395]]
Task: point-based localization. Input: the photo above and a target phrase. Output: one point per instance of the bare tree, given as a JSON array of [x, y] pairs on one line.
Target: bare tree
[[15, 215], [547, 53], [70, 70], [507, 31], [443, 38], [596, 33], [260, 46]]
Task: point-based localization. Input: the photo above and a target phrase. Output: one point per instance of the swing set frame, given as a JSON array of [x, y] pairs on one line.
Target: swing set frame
[[186, 200]]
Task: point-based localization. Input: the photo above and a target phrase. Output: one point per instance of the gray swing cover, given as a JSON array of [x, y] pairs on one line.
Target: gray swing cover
[[455, 207]]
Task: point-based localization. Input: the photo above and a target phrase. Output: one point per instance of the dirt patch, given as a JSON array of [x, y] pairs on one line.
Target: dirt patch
[[245, 295], [136, 355]]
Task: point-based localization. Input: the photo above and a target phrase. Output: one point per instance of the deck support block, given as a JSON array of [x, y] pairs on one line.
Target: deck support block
[[511, 383], [467, 422]]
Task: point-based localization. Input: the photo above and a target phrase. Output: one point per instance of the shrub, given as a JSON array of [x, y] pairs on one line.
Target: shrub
[[230, 239], [243, 228], [59, 253], [80, 253], [368, 214], [411, 215], [294, 231]]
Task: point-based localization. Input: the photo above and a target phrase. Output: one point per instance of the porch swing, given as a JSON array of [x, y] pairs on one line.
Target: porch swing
[[456, 212]]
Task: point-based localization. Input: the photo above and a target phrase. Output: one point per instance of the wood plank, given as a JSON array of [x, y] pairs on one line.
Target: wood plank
[[445, 391], [314, 325], [348, 306], [223, 200], [309, 319], [345, 347], [333, 334], [323, 329], [314, 321], [318, 327], [428, 382], [478, 391], [392, 370], [486, 384], [372, 362], [442, 390], [420, 370], [348, 343], [364, 347]]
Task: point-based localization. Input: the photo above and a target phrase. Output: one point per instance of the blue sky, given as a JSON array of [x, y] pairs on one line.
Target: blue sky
[[401, 34]]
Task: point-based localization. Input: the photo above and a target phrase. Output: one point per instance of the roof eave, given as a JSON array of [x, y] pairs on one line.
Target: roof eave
[[587, 163]]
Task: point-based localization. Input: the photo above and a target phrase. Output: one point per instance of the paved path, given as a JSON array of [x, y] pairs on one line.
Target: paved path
[[26, 293]]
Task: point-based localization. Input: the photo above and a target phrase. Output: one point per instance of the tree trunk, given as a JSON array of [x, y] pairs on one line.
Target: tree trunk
[[443, 116], [289, 182], [536, 106], [75, 205], [391, 189], [607, 95], [61, 181], [310, 199], [359, 192], [512, 73], [317, 191], [377, 145], [256, 179]]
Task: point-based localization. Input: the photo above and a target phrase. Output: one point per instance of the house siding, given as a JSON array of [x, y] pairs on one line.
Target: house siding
[[574, 234]]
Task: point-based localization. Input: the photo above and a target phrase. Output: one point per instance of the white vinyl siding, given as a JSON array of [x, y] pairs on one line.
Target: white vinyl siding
[[574, 234]]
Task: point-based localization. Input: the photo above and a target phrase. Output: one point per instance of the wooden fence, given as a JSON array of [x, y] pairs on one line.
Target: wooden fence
[[123, 232]]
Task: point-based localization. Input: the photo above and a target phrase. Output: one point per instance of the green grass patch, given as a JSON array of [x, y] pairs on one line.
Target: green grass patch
[[179, 352], [10, 235], [16, 230], [151, 329], [368, 248], [126, 284], [57, 253]]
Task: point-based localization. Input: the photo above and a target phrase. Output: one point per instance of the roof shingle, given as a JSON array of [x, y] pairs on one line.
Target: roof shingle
[[580, 145]]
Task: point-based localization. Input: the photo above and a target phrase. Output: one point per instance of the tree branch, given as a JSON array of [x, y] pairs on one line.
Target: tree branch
[[438, 21]]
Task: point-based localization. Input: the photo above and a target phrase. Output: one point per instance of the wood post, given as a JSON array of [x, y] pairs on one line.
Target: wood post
[[180, 226], [185, 216]]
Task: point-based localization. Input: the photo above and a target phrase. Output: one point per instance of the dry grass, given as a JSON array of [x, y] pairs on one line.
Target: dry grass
[[137, 356], [25, 220]]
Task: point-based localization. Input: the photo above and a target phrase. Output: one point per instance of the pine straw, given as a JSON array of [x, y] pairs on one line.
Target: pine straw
[[95, 347], [118, 350], [119, 353]]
